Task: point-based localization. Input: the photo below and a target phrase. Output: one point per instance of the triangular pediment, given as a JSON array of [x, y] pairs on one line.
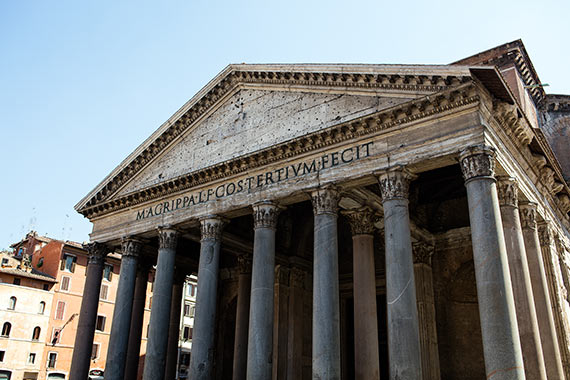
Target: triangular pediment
[[248, 108]]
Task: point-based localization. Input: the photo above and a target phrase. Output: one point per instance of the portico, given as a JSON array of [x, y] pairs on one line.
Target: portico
[[343, 221]]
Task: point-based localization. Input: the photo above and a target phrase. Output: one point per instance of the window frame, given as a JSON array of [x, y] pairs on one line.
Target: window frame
[[109, 273], [13, 302], [66, 290], [6, 330], [104, 319], [97, 351], [64, 266], [42, 309], [50, 353], [57, 311], [31, 358], [39, 330]]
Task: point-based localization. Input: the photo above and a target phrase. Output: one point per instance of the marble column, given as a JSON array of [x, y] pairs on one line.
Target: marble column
[[155, 360], [403, 328], [501, 342], [296, 328], [202, 358], [366, 357], [520, 278], [260, 337], [83, 345], [326, 307], [174, 326], [423, 278], [242, 318], [548, 337], [119, 339], [137, 318]]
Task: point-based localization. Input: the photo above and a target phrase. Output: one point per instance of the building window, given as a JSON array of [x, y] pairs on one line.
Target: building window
[[12, 303], [100, 325], [36, 334], [104, 292], [68, 263], [187, 334], [108, 272], [2, 353], [17, 281], [192, 311], [40, 262], [5, 261], [6, 329], [31, 358], [46, 286], [52, 358], [56, 337], [191, 290], [65, 280], [95, 351], [185, 359], [42, 308], [150, 302], [147, 328], [60, 311], [187, 309]]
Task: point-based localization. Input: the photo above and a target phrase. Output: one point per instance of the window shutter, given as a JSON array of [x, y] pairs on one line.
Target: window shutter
[[60, 310], [62, 263], [73, 264]]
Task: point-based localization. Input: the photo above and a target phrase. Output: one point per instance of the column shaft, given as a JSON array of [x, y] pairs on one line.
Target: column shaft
[[88, 313], [174, 329], [202, 358], [260, 336], [403, 329], [242, 318], [520, 278], [366, 357], [548, 337], [155, 360], [326, 313], [296, 329], [423, 278], [118, 342], [137, 316], [501, 342]]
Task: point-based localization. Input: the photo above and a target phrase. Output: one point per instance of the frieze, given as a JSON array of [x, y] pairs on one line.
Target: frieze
[[167, 237], [265, 214], [268, 178], [477, 161], [395, 183], [361, 221], [97, 252], [463, 94], [325, 200], [507, 190]]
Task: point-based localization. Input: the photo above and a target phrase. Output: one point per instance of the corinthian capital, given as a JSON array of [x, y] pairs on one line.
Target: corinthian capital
[[507, 189], [361, 221], [167, 237], [211, 227], [97, 252], [477, 161], [265, 214], [545, 234], [395, 183], [325, 200], [244, 264], [423, 253], [131, 246], [527, 212]]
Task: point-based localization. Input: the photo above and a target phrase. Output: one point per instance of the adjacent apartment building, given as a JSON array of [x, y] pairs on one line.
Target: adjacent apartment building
[[65, 264], [26, 296]]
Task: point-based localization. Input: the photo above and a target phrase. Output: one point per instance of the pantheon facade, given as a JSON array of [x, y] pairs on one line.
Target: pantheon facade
[[345, 222]]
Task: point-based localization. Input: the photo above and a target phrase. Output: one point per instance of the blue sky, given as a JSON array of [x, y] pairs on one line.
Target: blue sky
[[82, 84]]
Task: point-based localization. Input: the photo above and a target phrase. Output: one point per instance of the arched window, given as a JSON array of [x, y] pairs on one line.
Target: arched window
[[36, 334], [12, 304], [42, 307], [6, 329]]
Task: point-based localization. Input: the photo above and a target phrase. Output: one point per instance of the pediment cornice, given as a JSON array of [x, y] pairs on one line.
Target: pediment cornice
[[392, 118], [414, 79]]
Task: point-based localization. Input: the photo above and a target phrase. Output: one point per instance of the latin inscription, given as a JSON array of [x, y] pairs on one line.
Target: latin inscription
[[327, 161]]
